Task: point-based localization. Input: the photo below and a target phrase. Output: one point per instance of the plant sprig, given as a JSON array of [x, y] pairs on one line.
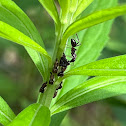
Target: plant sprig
[[67, 22]]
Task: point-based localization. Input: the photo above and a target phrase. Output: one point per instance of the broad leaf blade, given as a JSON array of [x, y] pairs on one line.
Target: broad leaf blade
[[11, 14], [92, 90], [92, 19], [50, 7], [82, 5], [115, 66], [6, 114], [92, 41], [33, 115], [12, 34]]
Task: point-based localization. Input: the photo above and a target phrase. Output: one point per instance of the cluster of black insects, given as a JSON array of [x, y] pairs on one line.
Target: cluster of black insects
[[60, 67]]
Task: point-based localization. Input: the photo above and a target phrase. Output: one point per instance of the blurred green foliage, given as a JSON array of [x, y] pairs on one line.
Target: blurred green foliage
[[20, 79]]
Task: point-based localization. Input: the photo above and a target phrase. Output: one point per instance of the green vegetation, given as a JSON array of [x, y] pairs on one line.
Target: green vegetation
[[92, 21]]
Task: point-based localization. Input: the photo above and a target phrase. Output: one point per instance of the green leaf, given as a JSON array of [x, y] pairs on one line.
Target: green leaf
[[82, 5], [92, 19], [33, 115], [12, 34], [73, 6], [50, 7], [92, 41], [67, 12], [65, 7], [115, 66], [6, 114], [11, 14], [92, 90], [57, 118]]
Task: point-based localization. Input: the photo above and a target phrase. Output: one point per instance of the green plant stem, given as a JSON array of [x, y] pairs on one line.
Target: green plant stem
[[46, 97], [58, 32]]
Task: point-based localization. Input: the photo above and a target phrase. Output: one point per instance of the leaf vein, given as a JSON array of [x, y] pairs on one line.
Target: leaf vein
[[8, 118]]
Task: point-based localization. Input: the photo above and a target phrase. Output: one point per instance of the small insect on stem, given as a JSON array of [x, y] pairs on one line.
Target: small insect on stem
[[55, 94], [43, 87], [51, 81], [73, 58], [55, 67], [73, 51], [61, 73], [74, 44], [63, 63], [60, 86]]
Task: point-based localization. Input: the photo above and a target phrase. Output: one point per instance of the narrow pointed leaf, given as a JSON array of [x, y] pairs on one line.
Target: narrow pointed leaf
[[82, 5], [12, 34], [33, 115], [92, 19], [11, 14], [50, 7], [92, 90], [115, 66], [6, 114]]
